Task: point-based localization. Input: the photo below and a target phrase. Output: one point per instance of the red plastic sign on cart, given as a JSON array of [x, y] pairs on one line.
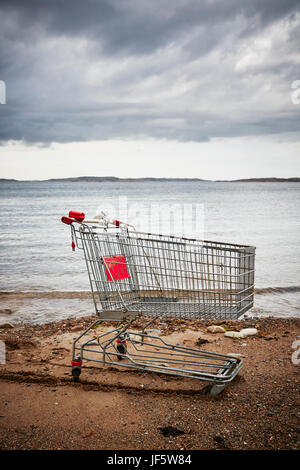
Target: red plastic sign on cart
[[116, 268]]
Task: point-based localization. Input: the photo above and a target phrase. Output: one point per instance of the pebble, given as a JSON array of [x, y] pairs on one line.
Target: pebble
[[216, 329], [233, 334], [6, 311], [76, 328], [248, 332], [6, 326], [241, 334]]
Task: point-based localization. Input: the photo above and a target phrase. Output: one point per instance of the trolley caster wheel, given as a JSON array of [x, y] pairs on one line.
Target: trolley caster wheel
[[121, 348], [76, 367], [212, 390], [76, 371]]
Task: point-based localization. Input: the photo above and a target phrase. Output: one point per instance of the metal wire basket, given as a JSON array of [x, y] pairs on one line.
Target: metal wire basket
[[166, 275]]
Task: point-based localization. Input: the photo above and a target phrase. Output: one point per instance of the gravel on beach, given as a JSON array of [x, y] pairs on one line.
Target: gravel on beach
[[116, 408]]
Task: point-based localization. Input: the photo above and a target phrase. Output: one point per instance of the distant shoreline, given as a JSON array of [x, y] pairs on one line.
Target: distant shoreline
[[114, 179]]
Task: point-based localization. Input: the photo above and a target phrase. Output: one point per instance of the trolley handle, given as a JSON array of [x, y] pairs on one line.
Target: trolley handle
[[102, 219]]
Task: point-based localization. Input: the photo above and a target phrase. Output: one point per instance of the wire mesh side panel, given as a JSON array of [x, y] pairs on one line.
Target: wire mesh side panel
[[168, 276], [246, 269]]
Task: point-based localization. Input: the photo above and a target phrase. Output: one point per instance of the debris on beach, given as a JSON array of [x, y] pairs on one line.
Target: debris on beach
[[241, 334], [248, 332], [170, 431], [221, 441], [5, 326], [153, 331], [216, 329], [76, 328], [201, 341], [236, 355]]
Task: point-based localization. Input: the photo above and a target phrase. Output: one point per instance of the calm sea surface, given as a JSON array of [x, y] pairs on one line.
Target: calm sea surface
[[35, 245]]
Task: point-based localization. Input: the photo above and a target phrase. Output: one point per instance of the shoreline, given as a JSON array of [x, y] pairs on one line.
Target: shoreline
[[113, 408], [43, 307], [31, 294], [116, 179]]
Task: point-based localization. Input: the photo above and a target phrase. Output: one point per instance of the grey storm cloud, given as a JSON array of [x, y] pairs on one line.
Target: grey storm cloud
[[94, 70]]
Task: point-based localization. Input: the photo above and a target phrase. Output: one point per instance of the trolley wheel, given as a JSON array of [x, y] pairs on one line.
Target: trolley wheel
[[76, 371], [212, 390], [121, 348]]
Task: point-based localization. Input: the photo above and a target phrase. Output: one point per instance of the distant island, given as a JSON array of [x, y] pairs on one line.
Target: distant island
[[115, 179], [267, 180]]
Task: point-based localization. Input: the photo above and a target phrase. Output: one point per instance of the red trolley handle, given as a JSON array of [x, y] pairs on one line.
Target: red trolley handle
[[67, 220], [75, 216]]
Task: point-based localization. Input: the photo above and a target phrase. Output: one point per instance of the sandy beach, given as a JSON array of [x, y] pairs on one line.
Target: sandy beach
[[113, 408]]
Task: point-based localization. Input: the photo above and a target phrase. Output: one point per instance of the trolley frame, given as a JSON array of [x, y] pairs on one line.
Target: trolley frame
[[136, 274]]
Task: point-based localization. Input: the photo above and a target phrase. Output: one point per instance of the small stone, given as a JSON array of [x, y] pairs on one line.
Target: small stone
[[76, 328], [6, 311], [233, 334], [241, 334], [220, 440], [201, 341], [216, 329], [170, 431], [235, 355], [153, 330], [248, 332], [4, 326]]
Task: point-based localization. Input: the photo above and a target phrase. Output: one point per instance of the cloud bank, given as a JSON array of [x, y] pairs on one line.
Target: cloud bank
[[175, 70]]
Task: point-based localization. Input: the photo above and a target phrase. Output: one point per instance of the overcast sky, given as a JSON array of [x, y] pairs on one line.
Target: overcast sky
[[176, 88]]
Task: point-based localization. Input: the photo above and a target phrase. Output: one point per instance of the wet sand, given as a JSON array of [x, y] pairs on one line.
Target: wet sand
[[113, 408]]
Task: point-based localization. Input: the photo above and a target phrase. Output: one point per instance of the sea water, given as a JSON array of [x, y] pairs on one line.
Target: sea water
[[36, 253]]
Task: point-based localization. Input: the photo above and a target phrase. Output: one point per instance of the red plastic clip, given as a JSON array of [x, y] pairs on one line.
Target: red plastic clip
[[78, 216]]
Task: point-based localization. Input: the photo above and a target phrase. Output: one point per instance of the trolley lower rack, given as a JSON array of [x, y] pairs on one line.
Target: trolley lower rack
[[123, 347]]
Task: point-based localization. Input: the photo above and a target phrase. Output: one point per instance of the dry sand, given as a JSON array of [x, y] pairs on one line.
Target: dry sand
[[112, 408]]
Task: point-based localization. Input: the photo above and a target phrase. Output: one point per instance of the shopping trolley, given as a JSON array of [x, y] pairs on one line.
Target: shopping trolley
[[135, 274]]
